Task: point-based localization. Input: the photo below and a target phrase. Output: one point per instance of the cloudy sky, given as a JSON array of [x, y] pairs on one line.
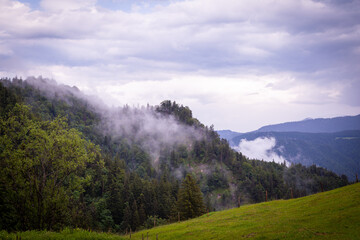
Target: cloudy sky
[[237, 64]]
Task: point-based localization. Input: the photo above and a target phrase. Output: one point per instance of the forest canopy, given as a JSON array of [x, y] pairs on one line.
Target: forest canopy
[[67, 162]]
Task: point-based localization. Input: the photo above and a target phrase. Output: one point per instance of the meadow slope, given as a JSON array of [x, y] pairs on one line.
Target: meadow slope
[[330, 215]]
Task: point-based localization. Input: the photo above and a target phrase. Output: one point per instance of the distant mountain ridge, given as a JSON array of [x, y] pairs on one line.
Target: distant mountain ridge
[[333, 143], [318, 125], [228, 134], [338, 152]]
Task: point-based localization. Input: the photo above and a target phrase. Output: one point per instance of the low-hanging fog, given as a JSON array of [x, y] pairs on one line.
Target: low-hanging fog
[[141, 125], [262, 148], [152, 130]]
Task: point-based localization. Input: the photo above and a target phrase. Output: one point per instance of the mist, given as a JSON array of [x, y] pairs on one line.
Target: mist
[[142, 125], [261, 148], [149, 129]]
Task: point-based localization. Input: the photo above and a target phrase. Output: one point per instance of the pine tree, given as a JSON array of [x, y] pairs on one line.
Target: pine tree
[[135, 216], [190, 200], [127, 217]]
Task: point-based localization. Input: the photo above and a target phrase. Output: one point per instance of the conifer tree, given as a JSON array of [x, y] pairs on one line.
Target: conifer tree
[[190, 200]]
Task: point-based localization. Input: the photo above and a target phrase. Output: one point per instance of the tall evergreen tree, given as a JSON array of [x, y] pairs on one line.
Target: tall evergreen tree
[[190, 202]]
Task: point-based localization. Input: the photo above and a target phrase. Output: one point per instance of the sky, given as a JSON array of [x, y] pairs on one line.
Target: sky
[[238, 65]]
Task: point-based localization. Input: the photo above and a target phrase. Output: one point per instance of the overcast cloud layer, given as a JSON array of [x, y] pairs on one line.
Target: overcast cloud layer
[[237, 64]]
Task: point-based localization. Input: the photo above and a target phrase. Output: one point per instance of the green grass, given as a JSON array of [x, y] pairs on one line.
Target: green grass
[[329, 215], [71, 234]]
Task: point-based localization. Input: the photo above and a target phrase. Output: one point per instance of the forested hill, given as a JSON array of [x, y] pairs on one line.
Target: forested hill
[[228, 134], [318, 125], [65, 161], [338, 152]]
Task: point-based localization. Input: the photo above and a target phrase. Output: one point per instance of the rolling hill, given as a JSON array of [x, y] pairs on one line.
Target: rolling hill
[[329, 215], [228, 134], [318, 125]]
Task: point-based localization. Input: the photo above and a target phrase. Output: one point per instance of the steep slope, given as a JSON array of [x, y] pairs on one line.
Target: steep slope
[[329, 215], [319, 125]]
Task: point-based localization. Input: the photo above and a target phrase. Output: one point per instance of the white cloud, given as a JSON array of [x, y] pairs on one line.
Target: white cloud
[[219, 54], [66, 5], [261, 149]]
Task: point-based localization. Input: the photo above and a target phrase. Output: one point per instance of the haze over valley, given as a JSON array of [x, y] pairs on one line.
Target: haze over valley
[[330, 143]]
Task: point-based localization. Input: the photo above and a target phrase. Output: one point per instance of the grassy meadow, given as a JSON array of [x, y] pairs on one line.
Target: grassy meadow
[[329, 215]]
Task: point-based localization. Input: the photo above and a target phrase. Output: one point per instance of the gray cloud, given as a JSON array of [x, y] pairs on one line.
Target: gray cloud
[[315, 43]]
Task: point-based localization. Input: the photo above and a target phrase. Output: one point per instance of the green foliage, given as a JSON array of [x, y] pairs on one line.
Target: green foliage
[[52, 176], [217, 180], [41, 166], [154, 220], [7, 99], [190, 201], [183, 114], [68, 233]]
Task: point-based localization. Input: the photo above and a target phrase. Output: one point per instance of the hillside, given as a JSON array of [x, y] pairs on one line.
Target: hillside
[[69, 162], [228, 134], [332, 143], [319, 125], [338, 152], [329, 215]]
